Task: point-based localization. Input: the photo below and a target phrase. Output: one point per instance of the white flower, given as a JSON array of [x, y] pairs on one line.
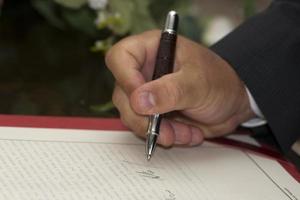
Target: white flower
[[101, 17], [97, 4], [217, 29]]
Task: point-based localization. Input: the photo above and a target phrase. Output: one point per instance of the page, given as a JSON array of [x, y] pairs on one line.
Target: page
[[38, 163]]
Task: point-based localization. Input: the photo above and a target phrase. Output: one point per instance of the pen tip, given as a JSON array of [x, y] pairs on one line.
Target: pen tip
[[148, 157]]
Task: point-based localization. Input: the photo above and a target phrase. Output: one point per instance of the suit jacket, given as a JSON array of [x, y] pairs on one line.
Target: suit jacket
[[265, 53]]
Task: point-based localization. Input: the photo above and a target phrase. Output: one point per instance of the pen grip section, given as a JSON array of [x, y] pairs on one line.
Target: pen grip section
[[165, 55]]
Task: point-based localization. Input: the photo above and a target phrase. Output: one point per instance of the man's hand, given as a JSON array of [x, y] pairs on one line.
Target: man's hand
[[205, 93]]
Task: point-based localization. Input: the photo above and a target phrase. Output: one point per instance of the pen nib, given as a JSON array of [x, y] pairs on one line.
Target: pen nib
[[148, 157]]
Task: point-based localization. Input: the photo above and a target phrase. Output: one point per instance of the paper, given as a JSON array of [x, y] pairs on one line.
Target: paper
[[63, 164]]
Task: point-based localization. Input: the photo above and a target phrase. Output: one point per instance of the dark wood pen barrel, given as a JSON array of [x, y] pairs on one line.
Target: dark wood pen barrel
[[165, 55]]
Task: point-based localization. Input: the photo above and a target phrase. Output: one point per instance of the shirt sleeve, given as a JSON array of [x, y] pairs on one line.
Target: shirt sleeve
[[259, 119], [265, 53]]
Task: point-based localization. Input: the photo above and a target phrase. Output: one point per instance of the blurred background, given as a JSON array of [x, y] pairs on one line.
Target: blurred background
[[52, 51]]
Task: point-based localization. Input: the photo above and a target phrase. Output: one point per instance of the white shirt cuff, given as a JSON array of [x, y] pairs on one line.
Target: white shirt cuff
[[259, 120], [296, 147]]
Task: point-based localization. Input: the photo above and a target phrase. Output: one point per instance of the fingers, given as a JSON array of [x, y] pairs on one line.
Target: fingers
[[171, 132], [181, 90], [177, 133], [131, 60], [125, 64], [137, 123], [213, 130], [186, 134]]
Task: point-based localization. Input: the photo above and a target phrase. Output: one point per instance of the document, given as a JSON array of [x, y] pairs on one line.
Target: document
[[66, 164]]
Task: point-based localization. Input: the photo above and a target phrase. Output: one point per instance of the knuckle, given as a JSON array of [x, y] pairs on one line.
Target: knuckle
[[127, 85], [114, 52], [116, 98], [109, 57], [124, 120]]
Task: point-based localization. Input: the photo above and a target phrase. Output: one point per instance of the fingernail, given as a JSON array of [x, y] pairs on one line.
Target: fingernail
[[197, 137], [146, 100]]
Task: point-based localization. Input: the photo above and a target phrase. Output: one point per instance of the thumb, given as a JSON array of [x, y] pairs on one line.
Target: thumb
[[170, 92]]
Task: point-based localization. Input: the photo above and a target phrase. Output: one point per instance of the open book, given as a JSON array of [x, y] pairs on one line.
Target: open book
[[40, 163]]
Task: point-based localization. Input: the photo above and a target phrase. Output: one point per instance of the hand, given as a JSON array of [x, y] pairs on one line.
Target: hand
[[205, 94]]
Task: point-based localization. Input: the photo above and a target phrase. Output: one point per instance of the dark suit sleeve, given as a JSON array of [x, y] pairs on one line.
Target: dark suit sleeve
[[265, 53]]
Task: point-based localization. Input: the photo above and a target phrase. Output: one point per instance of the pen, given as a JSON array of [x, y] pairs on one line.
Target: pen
[[163, 65]]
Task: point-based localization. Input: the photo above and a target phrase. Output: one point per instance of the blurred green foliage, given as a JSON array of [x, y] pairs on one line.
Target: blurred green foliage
[[121, 17], [249, 8], [52, 51]]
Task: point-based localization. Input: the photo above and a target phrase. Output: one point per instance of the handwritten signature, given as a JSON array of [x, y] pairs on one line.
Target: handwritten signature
[[170, 195], [148, 174], [141, 164]]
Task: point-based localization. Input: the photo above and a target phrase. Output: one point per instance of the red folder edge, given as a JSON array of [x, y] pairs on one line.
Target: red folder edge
[[116, 124]]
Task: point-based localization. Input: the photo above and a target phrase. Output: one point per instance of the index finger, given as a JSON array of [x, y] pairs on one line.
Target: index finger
[[132, 59]]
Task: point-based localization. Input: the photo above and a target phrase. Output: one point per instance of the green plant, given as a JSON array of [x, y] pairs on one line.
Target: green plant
[[58, 66], [107, 21]]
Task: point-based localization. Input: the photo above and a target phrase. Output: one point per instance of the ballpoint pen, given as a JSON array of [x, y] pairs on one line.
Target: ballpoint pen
[[163, 65]]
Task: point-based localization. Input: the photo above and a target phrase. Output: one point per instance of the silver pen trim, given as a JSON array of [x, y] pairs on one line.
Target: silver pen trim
[[153, 126], [171, 22]]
